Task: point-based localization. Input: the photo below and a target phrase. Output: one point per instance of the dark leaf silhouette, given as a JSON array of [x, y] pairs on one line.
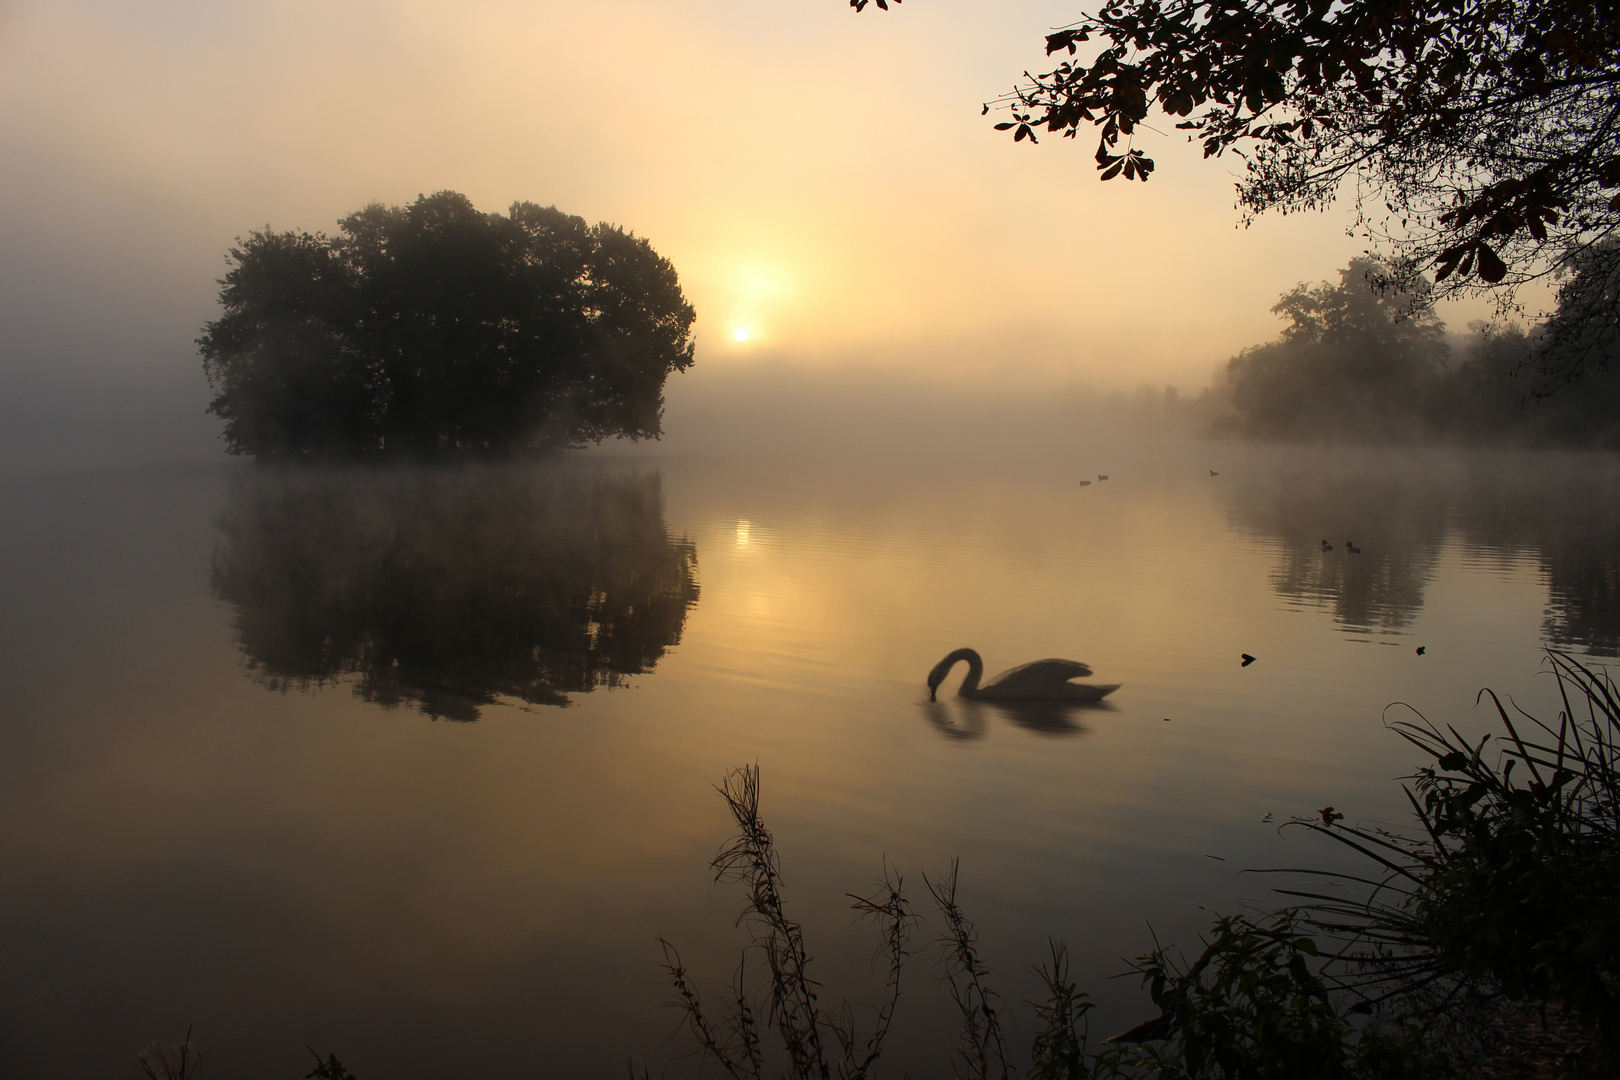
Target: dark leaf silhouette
[[1455, 124]]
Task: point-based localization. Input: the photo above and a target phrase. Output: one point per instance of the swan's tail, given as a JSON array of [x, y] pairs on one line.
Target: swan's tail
[[1093, 691]]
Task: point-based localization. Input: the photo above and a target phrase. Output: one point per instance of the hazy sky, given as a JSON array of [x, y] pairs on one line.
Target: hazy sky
[[822, 178]]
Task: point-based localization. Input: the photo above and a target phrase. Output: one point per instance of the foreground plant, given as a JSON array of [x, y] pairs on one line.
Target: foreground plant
[[818, 1042], [1510, 895], [1526, 886], [1249, 1006], [172, 1061], [330, 1069], [1513, 889]]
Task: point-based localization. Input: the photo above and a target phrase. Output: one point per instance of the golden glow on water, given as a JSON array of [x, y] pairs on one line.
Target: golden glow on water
[[268, 862]]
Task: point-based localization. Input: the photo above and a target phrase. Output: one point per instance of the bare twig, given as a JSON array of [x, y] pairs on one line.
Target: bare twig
[[982, 1052], [171, 1061]]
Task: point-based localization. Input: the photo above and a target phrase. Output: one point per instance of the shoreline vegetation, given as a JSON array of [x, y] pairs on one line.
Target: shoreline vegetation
[[1484, 942], [1365, 361]]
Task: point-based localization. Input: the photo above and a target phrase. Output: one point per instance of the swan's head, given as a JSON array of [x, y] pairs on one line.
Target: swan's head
[[937, 676]]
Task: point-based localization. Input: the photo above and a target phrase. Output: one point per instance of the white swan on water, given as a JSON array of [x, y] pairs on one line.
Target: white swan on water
[[1042, 680]]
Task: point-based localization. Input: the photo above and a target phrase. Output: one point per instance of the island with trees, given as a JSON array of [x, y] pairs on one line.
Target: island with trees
[[434, 329]]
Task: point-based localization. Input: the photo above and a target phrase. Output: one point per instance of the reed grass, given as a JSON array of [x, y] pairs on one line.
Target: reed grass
[[172, 1061], [981, 1049], [818, 1042], [1511, 891], [330, 1069], [1508, 894]]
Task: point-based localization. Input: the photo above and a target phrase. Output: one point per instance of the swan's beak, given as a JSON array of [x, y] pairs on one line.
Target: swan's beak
[[930, 693]]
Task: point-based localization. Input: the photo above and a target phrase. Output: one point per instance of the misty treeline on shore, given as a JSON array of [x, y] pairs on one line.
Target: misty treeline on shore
[[1362, 361], [435, 329]]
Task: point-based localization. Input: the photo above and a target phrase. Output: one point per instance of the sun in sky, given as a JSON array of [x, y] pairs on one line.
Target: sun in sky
[[741, 333]]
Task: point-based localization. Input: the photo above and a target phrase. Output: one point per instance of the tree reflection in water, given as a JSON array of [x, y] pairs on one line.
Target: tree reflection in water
[[1562, 510], [448, 589], [1570, 521], [1394, 519]]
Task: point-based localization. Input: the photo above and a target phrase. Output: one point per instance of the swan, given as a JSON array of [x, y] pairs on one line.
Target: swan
[[1042, 680]]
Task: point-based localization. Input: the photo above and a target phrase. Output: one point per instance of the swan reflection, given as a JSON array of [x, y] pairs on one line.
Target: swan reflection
[[448, 590], [969, 719]]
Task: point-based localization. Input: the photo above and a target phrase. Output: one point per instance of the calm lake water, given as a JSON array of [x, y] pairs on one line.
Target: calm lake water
[[414, 766]]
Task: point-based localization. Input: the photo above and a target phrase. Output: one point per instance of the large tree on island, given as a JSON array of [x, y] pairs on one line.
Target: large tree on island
[[1480, 138], [434, 328]]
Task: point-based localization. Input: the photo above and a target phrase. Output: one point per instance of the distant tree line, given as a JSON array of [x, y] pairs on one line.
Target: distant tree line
[[1360, 360], [434, 328]]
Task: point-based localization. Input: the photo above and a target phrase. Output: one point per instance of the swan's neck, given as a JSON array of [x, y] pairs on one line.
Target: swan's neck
[[970, 685]]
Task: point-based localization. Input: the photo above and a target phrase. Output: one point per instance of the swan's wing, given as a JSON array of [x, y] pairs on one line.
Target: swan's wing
[[1041, 674]]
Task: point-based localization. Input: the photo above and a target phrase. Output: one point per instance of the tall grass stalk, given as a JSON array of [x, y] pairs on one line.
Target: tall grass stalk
[[981, 1051], [819, 1043], [1512, 889], [171, 1061]]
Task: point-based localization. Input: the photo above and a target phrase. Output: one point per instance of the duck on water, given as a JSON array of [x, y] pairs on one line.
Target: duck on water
[[1041, 680]]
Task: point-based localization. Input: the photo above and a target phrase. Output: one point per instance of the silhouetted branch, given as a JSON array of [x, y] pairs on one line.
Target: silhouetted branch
[[982, 1052]]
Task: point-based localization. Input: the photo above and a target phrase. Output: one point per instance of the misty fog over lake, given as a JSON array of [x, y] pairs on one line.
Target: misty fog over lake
[[415, 763]]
